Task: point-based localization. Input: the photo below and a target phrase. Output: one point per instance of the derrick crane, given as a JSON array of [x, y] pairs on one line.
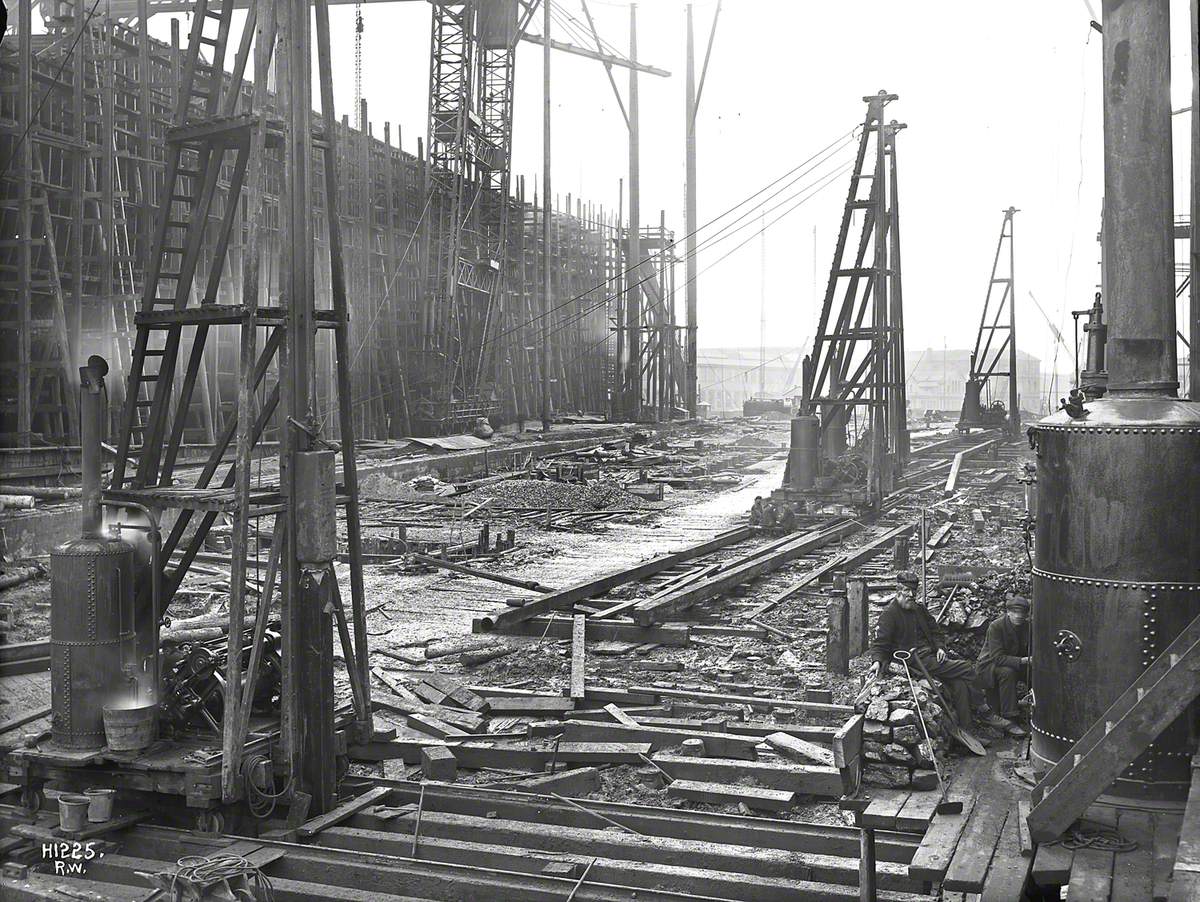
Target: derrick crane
[[857, 361], [470, 168], [995, 340]]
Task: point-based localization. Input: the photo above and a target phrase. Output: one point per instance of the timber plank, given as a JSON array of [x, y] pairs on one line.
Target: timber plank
[[881, 811], [757, 832], [723, 794], [720, 745], [1091, 875], [1052, 865], [1005, 880], [918, 812], [1167, 828], [342, 812], [933, 856], [753, 700], [971, 858], [1133, 876], [565, 598], [578, 652], [800, 750], [806, 779], [603, 752], [431, 726], [545, 704], [713, 870]]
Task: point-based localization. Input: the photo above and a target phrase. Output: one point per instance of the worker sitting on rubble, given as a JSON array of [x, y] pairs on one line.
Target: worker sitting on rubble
[[756, 511], [1003, 661], [905, 625]]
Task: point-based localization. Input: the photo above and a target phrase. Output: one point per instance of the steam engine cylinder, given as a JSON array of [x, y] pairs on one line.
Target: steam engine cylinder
[[92, 644], [1117, 573]]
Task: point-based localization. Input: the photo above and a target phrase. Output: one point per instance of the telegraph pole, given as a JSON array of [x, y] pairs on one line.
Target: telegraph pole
[[546, 213], [633, 303], [692, 99]]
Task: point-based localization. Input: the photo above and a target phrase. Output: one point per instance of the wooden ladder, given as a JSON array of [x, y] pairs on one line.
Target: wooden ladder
[[188, 195], [1150, 704]]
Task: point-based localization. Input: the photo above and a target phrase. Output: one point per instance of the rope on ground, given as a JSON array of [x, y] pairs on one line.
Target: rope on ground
[[1104, 839], [200, 871]]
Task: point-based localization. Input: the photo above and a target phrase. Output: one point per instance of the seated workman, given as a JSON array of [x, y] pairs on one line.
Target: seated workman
[[1003, 661], [905, 625]]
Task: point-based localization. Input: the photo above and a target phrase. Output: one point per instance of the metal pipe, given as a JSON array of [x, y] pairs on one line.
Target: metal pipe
[[1138, 237], [92, 395]]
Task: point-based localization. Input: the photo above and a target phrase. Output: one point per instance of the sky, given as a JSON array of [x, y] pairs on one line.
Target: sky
[[1001, 100]]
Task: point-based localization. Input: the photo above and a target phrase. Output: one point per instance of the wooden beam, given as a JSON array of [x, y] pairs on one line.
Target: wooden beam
[[578, 652], [566, 598]]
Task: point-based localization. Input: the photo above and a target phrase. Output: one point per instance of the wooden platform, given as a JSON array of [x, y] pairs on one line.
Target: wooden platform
[[986, 852]]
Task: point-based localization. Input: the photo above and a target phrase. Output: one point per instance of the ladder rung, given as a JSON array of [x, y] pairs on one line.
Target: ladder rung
[[212, 15], [147, 377], [154, 352], [143, 404], [172, 249], [168, 275], [211, 42]]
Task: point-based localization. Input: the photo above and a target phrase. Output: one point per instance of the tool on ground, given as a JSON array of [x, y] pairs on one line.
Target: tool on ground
[[903, 656], [417, 827], [955, 729]]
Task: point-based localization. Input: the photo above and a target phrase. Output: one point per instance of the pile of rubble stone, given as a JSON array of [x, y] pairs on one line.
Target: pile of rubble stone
[[895, 752]]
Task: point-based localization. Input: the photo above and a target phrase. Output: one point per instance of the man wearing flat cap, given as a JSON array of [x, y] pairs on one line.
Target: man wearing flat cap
[[905, 625], [1003, 661]]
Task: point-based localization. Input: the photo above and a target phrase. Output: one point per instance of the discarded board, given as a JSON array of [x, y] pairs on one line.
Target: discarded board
[[800, 750], [720, 794]]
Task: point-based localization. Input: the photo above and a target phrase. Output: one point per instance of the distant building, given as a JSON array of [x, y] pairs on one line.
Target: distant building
[[728, 376], [937, 379]]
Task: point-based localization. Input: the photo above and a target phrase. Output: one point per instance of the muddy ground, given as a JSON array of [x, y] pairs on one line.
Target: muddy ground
[[409, 609]]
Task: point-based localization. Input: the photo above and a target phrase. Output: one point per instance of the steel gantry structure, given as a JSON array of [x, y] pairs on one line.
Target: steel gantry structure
[[857, 360]]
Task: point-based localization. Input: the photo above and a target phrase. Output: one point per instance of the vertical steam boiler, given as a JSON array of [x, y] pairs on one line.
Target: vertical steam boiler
[[1117, 570], [92, 635]]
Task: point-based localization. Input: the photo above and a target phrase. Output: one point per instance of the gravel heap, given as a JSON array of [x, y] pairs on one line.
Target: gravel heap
[[604, 494], [377, 485], [895, 753]]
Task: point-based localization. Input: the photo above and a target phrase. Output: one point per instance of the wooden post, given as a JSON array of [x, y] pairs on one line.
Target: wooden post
[[900, 555], [866, 865], [578, 674], [859, 622], [837, 650]]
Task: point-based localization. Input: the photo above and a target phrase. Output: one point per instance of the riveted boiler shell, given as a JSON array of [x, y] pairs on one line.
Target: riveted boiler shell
[[91, 636], [1117, 572]]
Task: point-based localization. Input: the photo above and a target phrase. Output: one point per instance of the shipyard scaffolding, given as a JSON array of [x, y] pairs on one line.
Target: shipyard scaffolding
[[850, 436], [77, 227]]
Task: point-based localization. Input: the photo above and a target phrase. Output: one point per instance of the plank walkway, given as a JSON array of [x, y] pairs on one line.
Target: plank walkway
[[985, 854]]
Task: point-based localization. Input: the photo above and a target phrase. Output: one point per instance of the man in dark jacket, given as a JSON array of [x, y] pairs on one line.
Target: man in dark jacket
[[1003, 660], [905, 625]]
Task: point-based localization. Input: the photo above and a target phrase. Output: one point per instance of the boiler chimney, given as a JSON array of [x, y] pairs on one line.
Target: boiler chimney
[[91, 433], [1137, 241]]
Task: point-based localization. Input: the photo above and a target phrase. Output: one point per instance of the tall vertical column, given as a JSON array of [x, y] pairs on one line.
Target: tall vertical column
[[24, 175], [633, 301], [879, 292], [1194, 331], [690, 268], [308, 595], [1138, 237], [547, 209]]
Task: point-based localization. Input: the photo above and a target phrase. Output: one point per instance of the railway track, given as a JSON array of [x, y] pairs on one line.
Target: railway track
[[653, 594]]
